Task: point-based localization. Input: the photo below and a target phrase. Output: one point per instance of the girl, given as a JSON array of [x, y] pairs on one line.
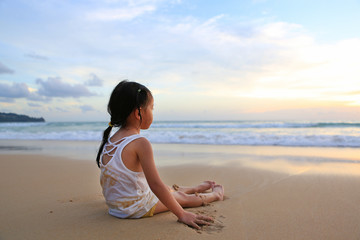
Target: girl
[[130, 181]]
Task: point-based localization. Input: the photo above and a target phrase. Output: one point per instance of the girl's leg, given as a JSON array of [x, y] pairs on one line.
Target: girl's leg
[[193, 200], [202, 187]]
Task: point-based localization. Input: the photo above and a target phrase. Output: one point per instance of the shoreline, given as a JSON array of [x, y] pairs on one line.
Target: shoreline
[[320, 160]]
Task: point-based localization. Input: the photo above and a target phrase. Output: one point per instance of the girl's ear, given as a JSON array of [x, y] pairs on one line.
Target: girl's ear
[[136, 113]]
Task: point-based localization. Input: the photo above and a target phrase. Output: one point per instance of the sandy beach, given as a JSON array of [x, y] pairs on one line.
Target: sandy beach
[[271, 193]]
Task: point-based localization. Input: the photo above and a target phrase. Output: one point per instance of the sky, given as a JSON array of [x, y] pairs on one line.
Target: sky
[[202, 59]]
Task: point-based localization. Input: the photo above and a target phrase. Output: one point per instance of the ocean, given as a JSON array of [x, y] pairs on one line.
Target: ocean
[[249, 133]]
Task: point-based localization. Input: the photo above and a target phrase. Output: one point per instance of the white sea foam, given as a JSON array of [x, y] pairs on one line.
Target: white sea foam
[[321, 134]]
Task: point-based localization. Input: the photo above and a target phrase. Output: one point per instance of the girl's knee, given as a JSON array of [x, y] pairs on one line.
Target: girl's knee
[[181, 197]]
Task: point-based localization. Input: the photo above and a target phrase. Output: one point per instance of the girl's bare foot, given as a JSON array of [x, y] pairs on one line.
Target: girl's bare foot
[[202, 187], [219, 191]]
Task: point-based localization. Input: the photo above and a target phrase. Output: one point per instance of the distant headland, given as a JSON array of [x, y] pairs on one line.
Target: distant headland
[[12, 117]]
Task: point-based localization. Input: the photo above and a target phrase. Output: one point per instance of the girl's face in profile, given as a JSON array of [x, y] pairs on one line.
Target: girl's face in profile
[[147, 114]]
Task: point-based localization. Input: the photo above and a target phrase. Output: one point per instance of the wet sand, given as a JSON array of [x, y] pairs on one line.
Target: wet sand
[[271, 193]]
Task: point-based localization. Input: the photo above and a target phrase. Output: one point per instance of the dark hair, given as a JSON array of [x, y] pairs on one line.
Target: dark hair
[[125, 97]]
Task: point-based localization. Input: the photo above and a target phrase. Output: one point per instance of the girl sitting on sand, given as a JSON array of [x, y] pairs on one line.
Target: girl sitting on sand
[[130, 181]]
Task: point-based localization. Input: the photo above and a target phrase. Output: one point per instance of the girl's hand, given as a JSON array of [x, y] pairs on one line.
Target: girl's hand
[[194, 220]]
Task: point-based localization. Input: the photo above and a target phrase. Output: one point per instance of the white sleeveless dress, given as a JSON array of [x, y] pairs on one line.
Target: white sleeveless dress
[[126, 192]]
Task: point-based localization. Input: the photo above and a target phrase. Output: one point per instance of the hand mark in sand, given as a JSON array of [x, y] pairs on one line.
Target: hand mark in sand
[[216, 226]]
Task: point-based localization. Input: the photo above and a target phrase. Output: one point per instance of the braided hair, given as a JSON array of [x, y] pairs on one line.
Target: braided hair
[[125, 97]]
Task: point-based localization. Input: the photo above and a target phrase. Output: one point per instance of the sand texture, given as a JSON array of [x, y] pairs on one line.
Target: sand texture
[[49, 197]]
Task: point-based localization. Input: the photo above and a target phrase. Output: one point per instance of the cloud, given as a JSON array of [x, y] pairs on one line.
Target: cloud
[[61, 109], [34, 105], [9, 92], [36, 56], [354, 93], [55, 87], [120, 10], [235, 54], [7, 100], [4, 69], [121, 14], [94, 81], [86, 108], [48, 89], [253, 58], [16, 90], [34, 96]]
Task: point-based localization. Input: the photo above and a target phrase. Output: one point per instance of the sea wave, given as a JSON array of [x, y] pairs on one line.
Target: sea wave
[[254, 139], [200, 124], [256, 124], [317, 134]]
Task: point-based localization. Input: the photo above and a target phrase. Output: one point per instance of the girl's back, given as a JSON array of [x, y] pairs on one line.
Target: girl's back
[[128, 154], [126, 191]]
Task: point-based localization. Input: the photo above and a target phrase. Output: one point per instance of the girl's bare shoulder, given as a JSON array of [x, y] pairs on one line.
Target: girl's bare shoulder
[[142, 142], [142, 146]]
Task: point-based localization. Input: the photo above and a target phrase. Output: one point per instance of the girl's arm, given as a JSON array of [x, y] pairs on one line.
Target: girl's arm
[[147, 162]]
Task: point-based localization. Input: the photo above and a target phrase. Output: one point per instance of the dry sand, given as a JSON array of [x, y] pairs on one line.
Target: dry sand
[[51, 197]]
